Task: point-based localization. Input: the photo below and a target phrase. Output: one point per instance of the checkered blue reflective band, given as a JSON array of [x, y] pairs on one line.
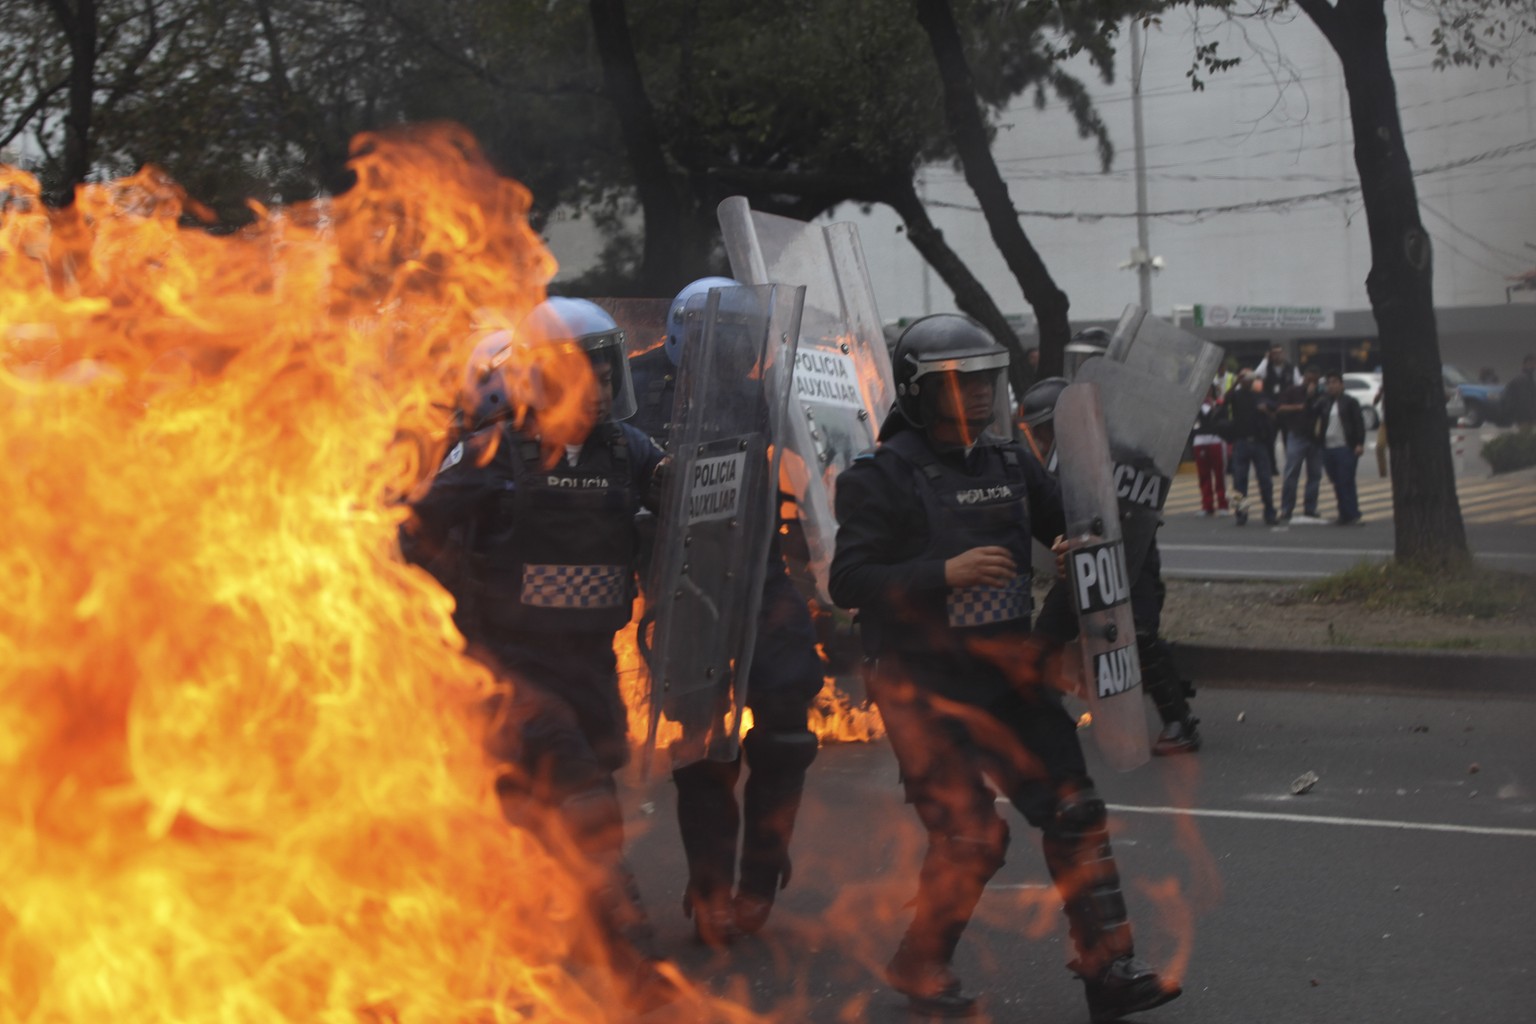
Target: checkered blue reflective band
[[573, 586], [981, 606]]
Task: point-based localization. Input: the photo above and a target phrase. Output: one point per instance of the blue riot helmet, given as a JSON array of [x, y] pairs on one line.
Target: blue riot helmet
[[938, 351], [687, 313], [590, 327], [483, 397]]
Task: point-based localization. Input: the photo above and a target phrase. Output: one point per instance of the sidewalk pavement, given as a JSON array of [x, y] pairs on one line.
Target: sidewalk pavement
[[1361, 669]]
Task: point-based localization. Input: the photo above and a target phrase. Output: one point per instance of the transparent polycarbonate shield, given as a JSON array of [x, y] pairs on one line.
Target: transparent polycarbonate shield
[[1156, 347], [644, 322], [1098, 581], [717, 515], [842, 382], [1151, 383]]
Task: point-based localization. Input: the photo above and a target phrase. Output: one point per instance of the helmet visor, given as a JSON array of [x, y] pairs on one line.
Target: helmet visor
[[968, 402], [611, 365]]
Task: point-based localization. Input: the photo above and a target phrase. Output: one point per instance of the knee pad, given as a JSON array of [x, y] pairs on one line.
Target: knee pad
[[786, 751], [595, 821], [1080, 812], [707, 776], [982, 851], [780, 709]]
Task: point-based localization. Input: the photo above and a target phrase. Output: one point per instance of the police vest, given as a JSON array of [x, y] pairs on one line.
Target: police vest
[[968, 510], [566, 558]]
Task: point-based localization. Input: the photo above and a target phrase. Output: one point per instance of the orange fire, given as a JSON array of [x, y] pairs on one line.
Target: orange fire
[[240, 767]]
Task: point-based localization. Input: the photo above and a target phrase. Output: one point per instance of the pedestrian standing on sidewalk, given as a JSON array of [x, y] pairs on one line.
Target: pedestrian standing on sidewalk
[[1295, 414], [1276, 373], [1340, 430], [1211, 455], [1250, 422], [1520, 394]]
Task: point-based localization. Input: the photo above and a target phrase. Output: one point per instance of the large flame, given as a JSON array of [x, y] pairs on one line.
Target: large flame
[[240, 768]]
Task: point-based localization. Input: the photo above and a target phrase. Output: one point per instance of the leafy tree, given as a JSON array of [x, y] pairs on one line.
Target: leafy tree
[[1074, 28]]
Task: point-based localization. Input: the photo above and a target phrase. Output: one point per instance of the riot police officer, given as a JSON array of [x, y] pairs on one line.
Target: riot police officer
[[530, 523], [933, 548], [1169, 691], [785, 676]]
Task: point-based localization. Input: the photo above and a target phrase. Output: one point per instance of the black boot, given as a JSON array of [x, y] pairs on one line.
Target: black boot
[[1081, 863], [931, 988], [1178, 737], [1170, 693], [1124, 987], [709, 819], [955, 871], [777, 762]]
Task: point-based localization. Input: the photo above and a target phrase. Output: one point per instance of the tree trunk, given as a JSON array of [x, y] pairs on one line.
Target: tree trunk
[[1427, 513], [969, 132], [79, 26], [969, 294], [669, 246]]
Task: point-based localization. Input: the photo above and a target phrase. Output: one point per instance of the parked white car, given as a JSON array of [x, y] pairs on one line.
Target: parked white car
[[1364, 387]]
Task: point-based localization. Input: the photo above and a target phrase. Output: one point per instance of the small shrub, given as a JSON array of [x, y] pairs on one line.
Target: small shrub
[[1509, 452]]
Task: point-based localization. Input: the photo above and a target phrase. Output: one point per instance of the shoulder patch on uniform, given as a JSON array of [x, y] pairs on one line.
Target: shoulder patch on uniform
[[867, 454]]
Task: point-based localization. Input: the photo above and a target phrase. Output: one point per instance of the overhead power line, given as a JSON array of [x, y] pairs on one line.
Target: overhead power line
[[1253, 204]]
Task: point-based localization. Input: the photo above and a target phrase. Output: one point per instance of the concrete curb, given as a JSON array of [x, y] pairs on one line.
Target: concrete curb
[[1369, 669]]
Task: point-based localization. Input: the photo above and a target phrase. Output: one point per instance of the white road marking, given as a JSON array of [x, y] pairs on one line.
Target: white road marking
[[1379, 552], [1316, 819]]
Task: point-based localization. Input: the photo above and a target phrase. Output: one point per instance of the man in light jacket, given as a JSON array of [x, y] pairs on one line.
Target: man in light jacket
[[1340, 432]]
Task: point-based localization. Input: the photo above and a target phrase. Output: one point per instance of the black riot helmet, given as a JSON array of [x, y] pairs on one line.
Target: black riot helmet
[[940, 351], [1039, 405]]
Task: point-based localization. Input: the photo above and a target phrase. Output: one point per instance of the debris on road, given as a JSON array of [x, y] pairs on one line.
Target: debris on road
[[1304, 783]]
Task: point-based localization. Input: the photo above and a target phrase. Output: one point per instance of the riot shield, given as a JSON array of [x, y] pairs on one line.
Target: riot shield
[[1151, 382], [842, 383], [644, 322], [717, 515], [1098, 581]]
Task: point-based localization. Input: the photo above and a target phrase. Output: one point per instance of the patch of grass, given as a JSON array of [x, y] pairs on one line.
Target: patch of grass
[[1475, 592]]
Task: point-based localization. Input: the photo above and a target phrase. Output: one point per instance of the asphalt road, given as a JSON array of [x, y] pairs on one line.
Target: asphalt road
[[1194, 547], [1399, 888], [1499, 513]]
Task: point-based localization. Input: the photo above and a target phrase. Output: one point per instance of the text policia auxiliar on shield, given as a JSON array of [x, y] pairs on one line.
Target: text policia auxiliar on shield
[[829, 378], [713, 493], [1099, 582]]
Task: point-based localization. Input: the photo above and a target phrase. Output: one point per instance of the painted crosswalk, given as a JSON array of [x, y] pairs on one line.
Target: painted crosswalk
[[1483, 499]]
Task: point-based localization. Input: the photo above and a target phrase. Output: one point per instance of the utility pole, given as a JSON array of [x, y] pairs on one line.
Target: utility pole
[[922, 195], [1141, 256]]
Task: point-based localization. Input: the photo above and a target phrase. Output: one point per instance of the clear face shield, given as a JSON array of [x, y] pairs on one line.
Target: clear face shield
[[965, 396], [610, 365]]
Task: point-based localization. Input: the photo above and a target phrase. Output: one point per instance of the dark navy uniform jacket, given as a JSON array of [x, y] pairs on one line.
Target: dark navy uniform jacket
[[531, 550], [904, 509]]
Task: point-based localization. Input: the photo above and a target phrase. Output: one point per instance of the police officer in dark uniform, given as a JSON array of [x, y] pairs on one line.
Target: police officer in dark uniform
[[785, 677], [933, 548], [530, 523], [1160, 677]]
